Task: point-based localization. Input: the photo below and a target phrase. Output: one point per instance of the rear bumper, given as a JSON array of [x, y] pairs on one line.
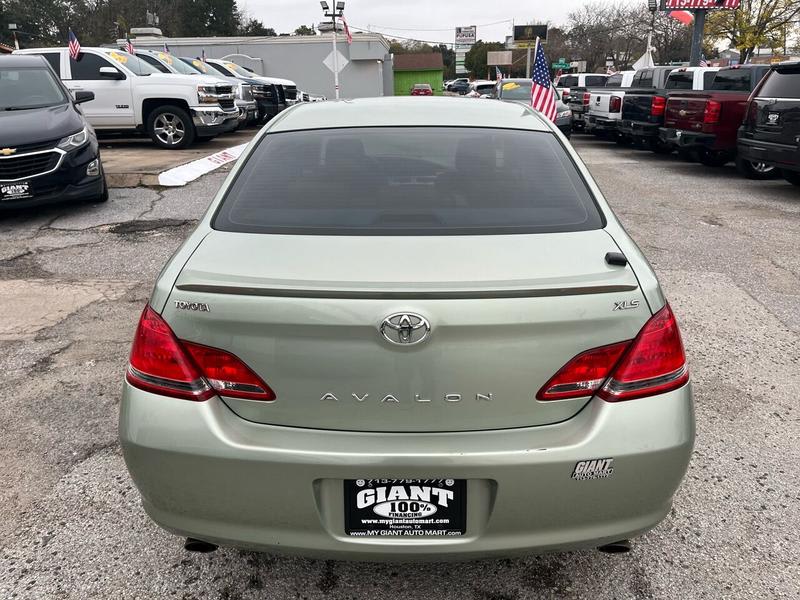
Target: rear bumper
[[594, 123], [780, 155], [638, 129], [681, 138], [203, 472]]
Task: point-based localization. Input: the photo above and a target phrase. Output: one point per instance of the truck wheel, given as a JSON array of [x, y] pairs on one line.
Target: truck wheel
[[755, 170], [711, 158], [170, 127], [792, 177]]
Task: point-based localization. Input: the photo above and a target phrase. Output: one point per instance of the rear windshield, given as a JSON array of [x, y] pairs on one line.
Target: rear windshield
[[732, 80], [679, 80], [408, 181], [783, 83], [516, 90], [595, 80], [614, 81], [568, 81]]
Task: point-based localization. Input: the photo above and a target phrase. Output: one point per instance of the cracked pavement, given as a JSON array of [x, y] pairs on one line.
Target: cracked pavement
[[73, 280]]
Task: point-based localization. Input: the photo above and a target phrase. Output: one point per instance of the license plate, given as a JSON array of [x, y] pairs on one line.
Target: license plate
[[15, 191], [405, 507]]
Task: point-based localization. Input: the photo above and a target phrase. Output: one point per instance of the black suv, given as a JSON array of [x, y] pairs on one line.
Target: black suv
[[770, 133], [48, 151]]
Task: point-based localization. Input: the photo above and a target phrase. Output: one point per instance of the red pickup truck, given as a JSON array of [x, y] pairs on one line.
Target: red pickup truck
[[707, 121]]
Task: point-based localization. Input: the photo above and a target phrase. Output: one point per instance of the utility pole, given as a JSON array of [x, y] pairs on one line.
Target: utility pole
[[334, 13], [528, 63], [697, 37]]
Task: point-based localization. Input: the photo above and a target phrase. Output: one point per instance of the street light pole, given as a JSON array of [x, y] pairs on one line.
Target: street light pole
[[334, 13], [697, 37]]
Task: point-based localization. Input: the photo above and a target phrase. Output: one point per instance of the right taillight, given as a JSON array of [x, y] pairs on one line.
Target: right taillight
[[654, 363], [657, 106], [712, 112], [615, 104], [162, 364]]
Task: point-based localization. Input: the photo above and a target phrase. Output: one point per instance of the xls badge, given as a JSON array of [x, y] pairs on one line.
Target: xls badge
[[597, 468]]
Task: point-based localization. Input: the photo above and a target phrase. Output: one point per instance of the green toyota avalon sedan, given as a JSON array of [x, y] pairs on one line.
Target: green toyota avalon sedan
[[408, 328]]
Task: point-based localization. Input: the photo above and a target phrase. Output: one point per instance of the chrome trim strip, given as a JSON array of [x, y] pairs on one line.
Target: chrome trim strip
[[402, 295], [615, 387], [59, 151], [196, 387]]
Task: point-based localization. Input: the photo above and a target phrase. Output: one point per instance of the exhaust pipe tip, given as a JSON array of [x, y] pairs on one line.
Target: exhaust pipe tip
[[194, 545], [619, 547]]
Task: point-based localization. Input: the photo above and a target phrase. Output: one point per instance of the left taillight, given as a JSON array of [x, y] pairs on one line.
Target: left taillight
[[162, 364]]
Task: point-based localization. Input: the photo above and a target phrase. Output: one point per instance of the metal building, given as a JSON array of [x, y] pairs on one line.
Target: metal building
[[365, 66]]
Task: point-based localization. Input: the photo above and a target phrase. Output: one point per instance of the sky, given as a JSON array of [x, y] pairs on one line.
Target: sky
[[415, 18]]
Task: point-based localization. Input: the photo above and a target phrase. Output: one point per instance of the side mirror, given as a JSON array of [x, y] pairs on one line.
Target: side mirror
[[81, 97], [111, 73]]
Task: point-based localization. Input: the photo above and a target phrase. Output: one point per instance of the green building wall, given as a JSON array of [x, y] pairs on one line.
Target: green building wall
[[405, 80]]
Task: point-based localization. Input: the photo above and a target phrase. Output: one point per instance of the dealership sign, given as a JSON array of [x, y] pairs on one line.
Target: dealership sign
[[466, 36], [699, 4], [526, 35]]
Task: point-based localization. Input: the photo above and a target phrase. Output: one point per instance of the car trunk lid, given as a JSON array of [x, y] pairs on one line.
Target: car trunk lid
[[304, 312]]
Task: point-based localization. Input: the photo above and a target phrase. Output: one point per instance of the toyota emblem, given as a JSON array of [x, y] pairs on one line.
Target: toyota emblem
[[405, 329]]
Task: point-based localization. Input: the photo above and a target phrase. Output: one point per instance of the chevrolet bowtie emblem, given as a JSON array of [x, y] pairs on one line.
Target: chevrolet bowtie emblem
[[8, 151]]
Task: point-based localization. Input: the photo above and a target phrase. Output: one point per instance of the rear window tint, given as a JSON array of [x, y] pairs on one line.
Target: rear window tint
[[783, 83], [708, 79], [568, 81], [595, 80], [679, 80], [614, 80], [408, 181], [737, 80]]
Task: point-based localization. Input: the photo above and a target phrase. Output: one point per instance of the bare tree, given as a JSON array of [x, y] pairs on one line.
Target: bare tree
[[754, 24]]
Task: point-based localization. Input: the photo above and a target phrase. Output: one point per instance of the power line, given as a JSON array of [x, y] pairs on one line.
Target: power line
[[444, 29]]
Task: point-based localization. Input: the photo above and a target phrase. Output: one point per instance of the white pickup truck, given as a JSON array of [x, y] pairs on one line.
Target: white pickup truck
[[605, 104], [132, 95], [565, 83]]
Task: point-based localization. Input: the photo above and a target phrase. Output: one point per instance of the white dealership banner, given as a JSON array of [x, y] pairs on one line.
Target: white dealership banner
[[197, 168]]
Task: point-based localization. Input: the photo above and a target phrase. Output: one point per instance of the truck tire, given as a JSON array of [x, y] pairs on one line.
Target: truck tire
[[755, 170], [170, 127], [711, 158], [792, 177]]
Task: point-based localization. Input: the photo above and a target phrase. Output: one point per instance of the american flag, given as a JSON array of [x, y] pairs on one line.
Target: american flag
[[347, 31], [129, 46], [498, 73], [542, 98], [74, 46]]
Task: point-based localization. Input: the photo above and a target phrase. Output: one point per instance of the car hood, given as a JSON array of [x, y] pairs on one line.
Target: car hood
[[172, 79], [18, 127]]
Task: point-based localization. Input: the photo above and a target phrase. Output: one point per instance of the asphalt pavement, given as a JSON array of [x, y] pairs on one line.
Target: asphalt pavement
[[73, 280]]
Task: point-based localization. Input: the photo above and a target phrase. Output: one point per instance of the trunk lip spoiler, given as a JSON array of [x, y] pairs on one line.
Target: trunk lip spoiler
[[403, 294]]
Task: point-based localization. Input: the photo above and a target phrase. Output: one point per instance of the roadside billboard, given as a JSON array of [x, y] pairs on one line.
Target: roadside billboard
[[465, 38], [694, 4], [525, 35], [499, 58]]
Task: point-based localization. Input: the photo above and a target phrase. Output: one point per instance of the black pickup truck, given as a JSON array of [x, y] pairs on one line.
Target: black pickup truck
[[770, 133], [643, 109]]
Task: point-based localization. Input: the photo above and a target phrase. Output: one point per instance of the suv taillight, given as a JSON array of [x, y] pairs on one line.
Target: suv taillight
[[586, 98], [712, 112], [657, 106], [162, 364], [653, 363], [615, 104], [751, 113]]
